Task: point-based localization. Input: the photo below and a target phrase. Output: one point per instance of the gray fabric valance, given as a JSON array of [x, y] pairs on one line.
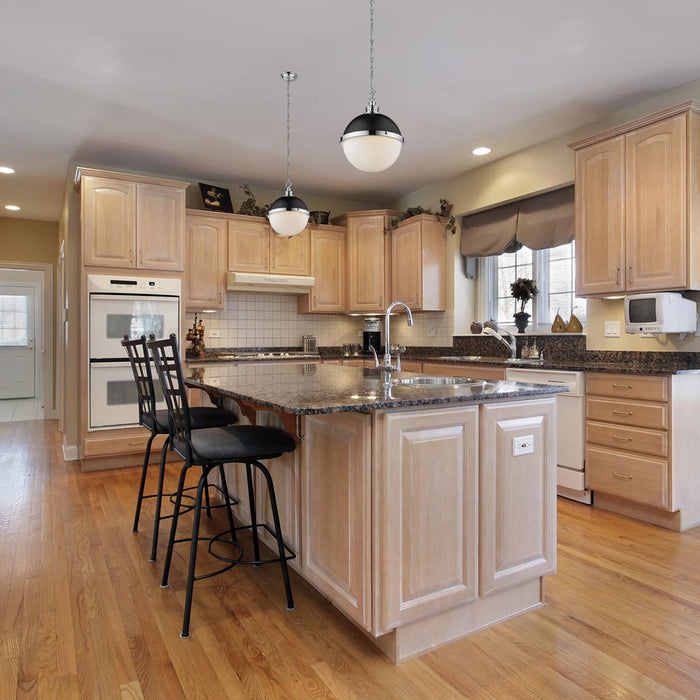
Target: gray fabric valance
[[543, 221]]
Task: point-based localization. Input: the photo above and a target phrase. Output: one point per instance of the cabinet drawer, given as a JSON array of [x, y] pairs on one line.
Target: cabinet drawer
[[629, 476], [651, 442], [464, 370], [642, 415], [411, 365], [115, 445], [627, 386]]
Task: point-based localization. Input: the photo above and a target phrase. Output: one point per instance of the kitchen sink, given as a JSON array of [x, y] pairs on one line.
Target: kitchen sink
[[433, 381]]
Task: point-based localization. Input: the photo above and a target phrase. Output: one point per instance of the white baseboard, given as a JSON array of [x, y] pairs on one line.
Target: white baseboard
[[70, 453]]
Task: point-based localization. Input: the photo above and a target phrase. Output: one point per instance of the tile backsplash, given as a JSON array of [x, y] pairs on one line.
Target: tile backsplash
[[252, 320]]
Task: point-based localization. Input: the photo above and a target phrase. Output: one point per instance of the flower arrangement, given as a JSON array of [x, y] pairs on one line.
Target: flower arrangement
[[523, 290]]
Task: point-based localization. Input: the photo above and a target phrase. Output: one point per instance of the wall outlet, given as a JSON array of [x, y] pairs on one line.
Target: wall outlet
[[431, 331], [215, 334], [612, 329], [523, 445]]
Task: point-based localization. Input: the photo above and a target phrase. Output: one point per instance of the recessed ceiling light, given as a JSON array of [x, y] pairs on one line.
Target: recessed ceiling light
[[12, 207], [6, 170], [481, 151]]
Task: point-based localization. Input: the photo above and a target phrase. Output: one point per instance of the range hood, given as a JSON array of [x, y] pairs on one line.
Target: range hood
[[257, 282]]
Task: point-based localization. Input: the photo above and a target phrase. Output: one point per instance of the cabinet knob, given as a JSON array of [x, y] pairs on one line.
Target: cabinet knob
[[629, 273]]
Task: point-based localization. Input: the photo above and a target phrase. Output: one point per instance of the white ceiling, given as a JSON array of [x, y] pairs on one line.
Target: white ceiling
[[192, 90]]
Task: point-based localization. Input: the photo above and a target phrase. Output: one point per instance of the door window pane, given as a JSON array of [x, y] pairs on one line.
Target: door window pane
[[14, 319]]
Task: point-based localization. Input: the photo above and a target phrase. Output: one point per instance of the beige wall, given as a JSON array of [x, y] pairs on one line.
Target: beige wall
[[545, 166]]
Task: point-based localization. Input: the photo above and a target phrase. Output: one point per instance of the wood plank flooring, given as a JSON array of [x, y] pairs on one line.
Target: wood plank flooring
[[82, 614]]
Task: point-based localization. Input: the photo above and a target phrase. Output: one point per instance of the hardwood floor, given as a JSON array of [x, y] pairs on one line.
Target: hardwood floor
[[82, 614]]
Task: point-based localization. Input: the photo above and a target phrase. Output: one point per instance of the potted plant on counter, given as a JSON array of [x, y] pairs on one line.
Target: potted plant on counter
[[523, 290]]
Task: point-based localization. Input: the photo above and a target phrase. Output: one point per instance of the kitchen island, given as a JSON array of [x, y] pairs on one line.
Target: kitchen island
[[422, 512]]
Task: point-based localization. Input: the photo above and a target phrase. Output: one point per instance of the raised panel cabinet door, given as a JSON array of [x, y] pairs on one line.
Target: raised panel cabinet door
[[328, 269], [426, 514], [206, 263], [336, 510], [366, 263], [406, 267], [290, 255], [600, 218], [518, 493], [160, 227], [248, 246], [108, 222], [656, 206]]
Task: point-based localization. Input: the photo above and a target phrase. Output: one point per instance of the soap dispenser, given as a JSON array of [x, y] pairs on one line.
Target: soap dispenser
[[534, 351]]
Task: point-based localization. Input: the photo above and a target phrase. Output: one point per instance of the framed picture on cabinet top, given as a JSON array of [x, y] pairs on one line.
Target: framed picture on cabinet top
[[216, 198]]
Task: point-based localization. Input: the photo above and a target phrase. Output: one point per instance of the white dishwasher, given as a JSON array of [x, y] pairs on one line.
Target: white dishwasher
[[571, 427]]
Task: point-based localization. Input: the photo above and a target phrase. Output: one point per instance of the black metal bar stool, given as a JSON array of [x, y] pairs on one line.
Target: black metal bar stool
[[209, 448], [157, 422]]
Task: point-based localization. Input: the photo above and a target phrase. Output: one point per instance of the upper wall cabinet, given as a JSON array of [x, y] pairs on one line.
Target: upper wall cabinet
[[637, 203], [205, 281], [131, 221], [418, 263], [254, 247], [328, 269], [368, 259]]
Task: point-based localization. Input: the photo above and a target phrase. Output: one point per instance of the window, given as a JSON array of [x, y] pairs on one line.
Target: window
[[14, 320], [554, 270]]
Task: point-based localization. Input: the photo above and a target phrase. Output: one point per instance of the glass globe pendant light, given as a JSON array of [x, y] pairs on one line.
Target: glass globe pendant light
[[288, 215], [371, 141]]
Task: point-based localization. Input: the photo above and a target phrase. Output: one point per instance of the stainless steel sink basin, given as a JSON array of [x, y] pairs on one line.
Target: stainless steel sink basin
[[433, 381]]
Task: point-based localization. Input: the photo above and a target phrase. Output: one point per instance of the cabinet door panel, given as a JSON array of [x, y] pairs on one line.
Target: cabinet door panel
[[290, 255], [336, 510], [406, 267], [366, 262], [518, 494], [426, 512], [248, 246], [160, 227], [206, 263], [600, 222], [656, 252], [328, 269], [108, 221]]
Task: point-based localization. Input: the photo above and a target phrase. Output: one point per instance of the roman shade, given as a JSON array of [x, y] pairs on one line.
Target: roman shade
[[543, 221]]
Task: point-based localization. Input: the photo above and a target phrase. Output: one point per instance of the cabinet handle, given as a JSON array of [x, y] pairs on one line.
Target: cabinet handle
[[624, 477], [622, 386], [629, 273], [622, 413], [221, 297], [381, 302], [131, 256], [140, 257], [617, 275], [273, 261], [314, 302], [139, 443], [624, 439]]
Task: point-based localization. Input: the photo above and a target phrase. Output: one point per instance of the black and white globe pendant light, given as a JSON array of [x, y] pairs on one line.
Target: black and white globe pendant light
[[288, 215], [371, 141]]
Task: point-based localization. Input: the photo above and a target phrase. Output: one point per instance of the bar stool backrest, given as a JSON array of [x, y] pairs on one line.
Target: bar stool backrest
[[166, 360], [141, 367]]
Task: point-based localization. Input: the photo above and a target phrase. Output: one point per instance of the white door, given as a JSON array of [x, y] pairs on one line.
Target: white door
[[17, 334]]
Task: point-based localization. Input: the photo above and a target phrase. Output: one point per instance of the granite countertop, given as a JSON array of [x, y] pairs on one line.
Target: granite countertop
[[299, 388]]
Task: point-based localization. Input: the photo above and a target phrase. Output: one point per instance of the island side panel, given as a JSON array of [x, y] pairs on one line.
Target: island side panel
[[336, 510], [425, 513], [517, 493]]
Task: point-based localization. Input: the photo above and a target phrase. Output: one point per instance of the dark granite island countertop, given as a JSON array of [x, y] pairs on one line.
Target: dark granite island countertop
[[316, 388]]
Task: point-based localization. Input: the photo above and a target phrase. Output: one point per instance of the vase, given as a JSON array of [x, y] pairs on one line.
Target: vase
[[522, 318]]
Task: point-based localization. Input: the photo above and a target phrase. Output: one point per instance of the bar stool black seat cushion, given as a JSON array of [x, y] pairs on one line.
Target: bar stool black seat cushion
[[200, 417], [237, 443]]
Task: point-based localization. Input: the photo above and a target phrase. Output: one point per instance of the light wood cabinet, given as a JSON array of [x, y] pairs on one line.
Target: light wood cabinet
[[254, 247], [637, 204], [418, 263], [205, 281], [473, 371], [518, 494], [328, 270], [427, 511], [131, 222], [336, 510], [368, 260]]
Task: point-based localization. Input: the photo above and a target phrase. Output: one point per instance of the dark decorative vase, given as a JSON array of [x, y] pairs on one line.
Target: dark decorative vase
[[521, 320]]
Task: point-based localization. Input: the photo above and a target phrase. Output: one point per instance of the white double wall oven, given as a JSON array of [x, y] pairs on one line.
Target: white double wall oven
[[119, 306]]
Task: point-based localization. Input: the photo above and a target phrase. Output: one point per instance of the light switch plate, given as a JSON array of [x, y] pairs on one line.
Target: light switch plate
[[523, 445], [215, 334], [431, 331], [612, 329]]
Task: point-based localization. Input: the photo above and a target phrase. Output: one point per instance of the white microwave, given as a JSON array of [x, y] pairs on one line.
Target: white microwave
[[660, 312]]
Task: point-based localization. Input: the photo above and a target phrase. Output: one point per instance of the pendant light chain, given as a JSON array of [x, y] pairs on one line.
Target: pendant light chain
[[372, 107], [289, 76]]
